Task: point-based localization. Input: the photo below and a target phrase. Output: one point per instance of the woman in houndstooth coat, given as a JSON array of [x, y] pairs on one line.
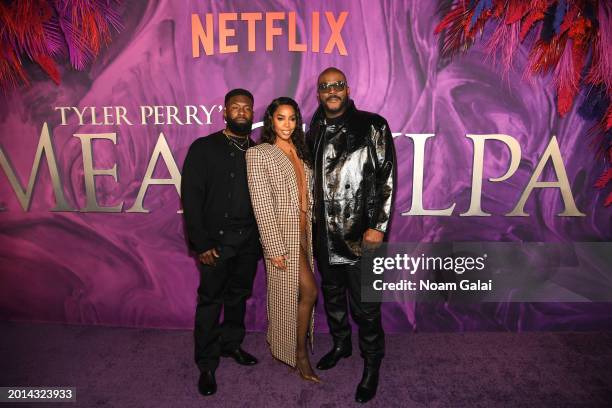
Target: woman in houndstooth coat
[[279, 179]]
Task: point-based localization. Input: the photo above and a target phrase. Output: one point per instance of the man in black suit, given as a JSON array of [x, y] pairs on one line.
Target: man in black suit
[[222, 231]]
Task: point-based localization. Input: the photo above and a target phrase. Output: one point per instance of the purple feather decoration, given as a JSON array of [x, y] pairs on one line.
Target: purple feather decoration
[[80, 55], [43, 30], [567, 79], [54, 37], [503, 44], [571, 33], [82, 39], [601, 70]]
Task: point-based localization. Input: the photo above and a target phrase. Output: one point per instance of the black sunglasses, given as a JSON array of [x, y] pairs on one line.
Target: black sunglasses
[[327, 86]]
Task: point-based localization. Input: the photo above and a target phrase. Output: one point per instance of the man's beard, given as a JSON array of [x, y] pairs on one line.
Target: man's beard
[[239, 128], [343, 104]]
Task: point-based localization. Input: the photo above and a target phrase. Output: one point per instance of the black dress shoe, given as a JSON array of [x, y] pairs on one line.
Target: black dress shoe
[[366, 390], [241, 357], [331, 359], [207, 385]]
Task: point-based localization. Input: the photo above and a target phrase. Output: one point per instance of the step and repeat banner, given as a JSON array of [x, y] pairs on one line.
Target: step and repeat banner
[[91, 230]]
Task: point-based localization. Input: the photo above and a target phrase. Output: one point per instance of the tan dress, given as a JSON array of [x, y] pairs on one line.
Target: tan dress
[[282, 203]]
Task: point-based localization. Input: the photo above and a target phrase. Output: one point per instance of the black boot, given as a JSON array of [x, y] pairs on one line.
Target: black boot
[[207, 385], [366, 390], [342, 350]]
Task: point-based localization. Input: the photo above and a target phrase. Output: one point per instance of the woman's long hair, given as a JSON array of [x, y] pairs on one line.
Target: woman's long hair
[[297, 137]]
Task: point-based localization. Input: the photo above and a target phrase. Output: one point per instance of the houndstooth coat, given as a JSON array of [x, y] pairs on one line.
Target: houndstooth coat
[[274, 195]]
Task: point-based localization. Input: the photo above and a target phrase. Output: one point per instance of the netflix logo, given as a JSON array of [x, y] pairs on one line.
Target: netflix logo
[[220, 33]]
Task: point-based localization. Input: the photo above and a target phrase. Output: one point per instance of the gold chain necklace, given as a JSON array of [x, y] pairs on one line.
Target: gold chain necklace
[[243, 147]]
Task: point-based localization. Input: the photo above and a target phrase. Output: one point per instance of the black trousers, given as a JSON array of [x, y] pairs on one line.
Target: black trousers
[[337, 283], [227, 285]]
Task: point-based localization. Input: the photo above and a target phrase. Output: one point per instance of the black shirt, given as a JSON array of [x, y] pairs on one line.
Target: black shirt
[[214, 191]]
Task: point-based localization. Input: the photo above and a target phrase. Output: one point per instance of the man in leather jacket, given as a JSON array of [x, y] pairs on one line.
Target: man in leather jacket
[[354, 177]]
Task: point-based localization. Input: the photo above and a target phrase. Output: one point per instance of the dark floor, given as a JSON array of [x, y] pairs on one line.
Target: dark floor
[[116, 367]]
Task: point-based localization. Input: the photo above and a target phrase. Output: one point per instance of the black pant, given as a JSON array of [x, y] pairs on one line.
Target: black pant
[[227, 285], [337, 282]]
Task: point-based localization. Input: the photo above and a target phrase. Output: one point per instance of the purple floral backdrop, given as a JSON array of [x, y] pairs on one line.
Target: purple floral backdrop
[[132, 269]]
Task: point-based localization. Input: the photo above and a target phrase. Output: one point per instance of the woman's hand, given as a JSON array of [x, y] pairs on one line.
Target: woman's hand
[[279, 262]]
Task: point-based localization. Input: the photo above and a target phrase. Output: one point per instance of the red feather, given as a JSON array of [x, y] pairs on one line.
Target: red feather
[[499, 8], [516, 11], [39, 29], [49, 66], [11, 70], [536, 13], [600, 142], [450, 18], [567, 76], [604, 179], [479, 25], [454, 24], [601, 68], [568, 20], [544, 56], [532, 17]]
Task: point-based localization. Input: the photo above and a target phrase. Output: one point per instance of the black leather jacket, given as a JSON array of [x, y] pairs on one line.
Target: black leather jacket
[[354, 178]]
